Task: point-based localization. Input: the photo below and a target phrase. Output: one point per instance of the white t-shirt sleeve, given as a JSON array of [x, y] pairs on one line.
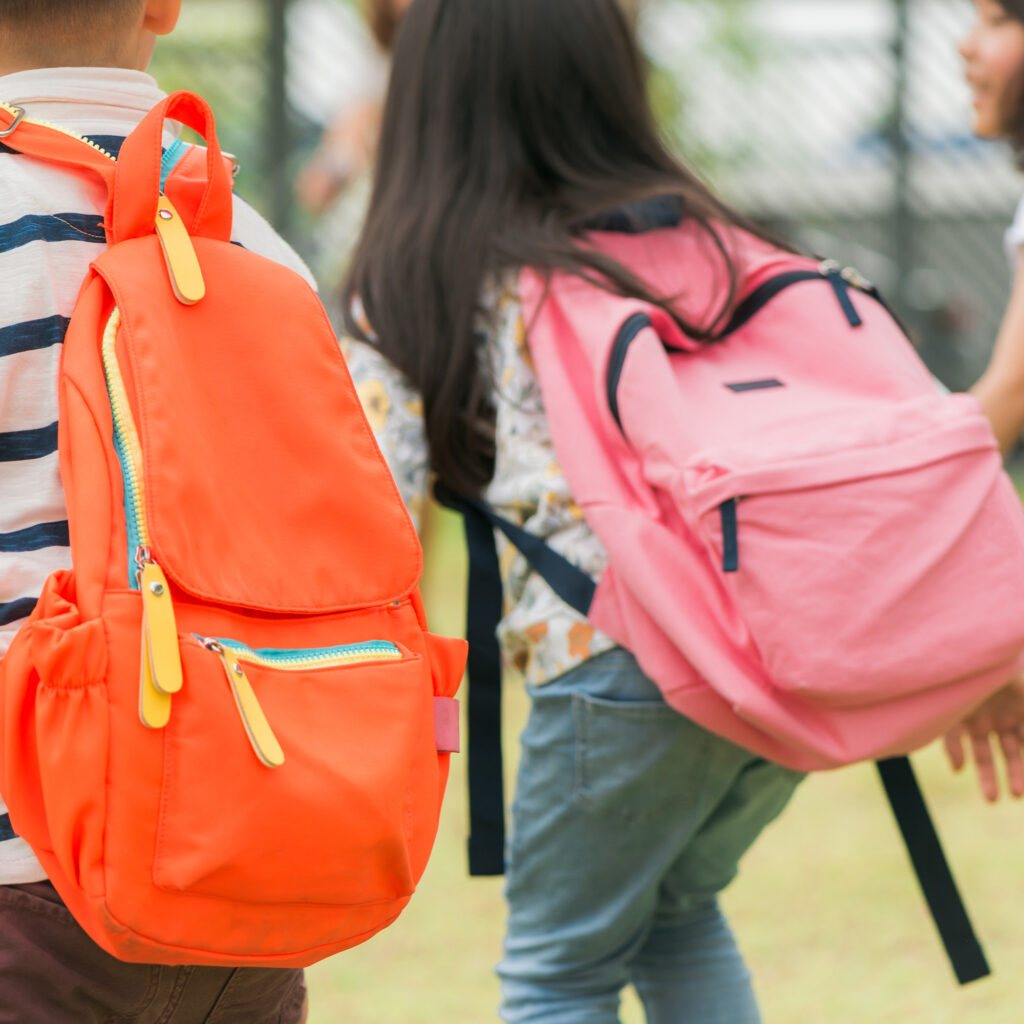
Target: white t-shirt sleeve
[[334, 62], [254, 233], [1014, 237]]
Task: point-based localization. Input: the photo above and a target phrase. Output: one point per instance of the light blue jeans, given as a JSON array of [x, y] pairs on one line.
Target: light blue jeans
[[628, 819]]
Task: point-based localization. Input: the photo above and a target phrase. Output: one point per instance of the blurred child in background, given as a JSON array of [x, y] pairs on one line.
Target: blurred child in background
[[334, 185], [993, 53], [511, 126]]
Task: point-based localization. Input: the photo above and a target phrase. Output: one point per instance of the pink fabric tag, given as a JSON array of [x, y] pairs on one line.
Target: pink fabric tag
[[446, 725]]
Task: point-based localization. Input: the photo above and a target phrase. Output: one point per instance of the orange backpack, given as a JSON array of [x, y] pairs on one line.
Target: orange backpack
[[225, 731]]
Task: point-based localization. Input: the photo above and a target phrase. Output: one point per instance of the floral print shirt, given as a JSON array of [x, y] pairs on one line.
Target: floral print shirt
[[540, 635]]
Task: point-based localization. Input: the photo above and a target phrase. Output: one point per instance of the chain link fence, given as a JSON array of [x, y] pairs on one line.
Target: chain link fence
[[842, 124]]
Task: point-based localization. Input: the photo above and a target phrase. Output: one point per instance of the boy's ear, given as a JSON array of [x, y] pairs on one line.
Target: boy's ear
[[161, 16]]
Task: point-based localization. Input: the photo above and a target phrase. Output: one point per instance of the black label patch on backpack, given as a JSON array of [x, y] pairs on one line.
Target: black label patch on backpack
[[756, 385]]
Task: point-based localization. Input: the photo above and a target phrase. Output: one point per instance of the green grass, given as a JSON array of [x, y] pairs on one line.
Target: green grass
[[826, 906]]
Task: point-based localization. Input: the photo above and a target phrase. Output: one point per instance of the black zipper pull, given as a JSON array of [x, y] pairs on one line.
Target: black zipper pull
[[831, 270], [730, 536]]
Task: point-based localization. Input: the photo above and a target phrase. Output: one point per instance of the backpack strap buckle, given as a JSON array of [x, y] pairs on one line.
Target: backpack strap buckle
[[19, 114]]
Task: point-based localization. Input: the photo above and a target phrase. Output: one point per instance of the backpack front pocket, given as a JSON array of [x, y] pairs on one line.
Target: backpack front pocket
[[258, 737], [290, 506], [867, 571]]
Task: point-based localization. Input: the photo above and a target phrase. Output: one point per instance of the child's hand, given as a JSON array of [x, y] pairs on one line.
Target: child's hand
[[1003, 715]]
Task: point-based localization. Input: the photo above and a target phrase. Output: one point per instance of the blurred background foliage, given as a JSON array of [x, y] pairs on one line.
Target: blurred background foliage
[[842, 124]]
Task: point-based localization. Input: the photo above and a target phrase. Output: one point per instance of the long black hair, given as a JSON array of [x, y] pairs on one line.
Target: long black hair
[[509, 125]]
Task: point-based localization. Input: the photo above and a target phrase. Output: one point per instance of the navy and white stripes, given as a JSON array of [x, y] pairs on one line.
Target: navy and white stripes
[[51, 228], [46, 256], [13, 611], [29, 335], [37, 250], [43, 259]]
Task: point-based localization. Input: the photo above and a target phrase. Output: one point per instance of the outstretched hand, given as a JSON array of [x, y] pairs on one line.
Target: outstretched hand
[[1000, 717]]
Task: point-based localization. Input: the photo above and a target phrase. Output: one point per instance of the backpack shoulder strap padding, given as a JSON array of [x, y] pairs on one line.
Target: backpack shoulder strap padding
[[45, 142]]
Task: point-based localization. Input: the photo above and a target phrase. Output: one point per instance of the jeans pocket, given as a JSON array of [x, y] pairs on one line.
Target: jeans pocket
[[637, 760]]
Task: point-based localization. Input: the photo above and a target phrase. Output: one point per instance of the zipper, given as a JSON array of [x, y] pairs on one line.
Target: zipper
[[170, 159], [160, 674], [233, 654], [841, 282], [311, 657], [18, 113], [617, 360], [129, 452], [842, 279], [182, 265]]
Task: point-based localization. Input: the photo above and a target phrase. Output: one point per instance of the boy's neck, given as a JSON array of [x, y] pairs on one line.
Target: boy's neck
[[132, 54], [75, 74], [13, 67]]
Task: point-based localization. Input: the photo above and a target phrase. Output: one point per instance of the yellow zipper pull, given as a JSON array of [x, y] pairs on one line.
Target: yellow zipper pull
[[159, 629], [179, 253], [257, 728], [154, 706]]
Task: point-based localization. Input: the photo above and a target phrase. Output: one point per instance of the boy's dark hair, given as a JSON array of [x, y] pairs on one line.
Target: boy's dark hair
[[509, 125], [52, 32], [26, 10], [17, 15]]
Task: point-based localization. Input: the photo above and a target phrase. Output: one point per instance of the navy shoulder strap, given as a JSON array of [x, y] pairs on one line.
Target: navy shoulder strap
[[483, 612], [486, 780], [932, 869]]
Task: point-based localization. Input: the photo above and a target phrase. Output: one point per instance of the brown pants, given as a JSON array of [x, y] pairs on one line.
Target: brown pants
[[51, 972]]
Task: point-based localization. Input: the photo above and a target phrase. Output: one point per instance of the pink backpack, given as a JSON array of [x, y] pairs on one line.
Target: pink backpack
[[813, 551]]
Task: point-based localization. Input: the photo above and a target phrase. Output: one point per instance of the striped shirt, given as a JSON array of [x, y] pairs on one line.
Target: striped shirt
[[50, 230]]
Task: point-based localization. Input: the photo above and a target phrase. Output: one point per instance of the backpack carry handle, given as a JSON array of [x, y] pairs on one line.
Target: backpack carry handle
[[132, 208]]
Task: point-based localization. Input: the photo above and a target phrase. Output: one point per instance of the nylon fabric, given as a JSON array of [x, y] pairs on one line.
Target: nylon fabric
[[261, 511], [830, 474]]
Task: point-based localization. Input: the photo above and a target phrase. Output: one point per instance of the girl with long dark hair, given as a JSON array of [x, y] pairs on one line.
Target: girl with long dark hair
[[511, 129]]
